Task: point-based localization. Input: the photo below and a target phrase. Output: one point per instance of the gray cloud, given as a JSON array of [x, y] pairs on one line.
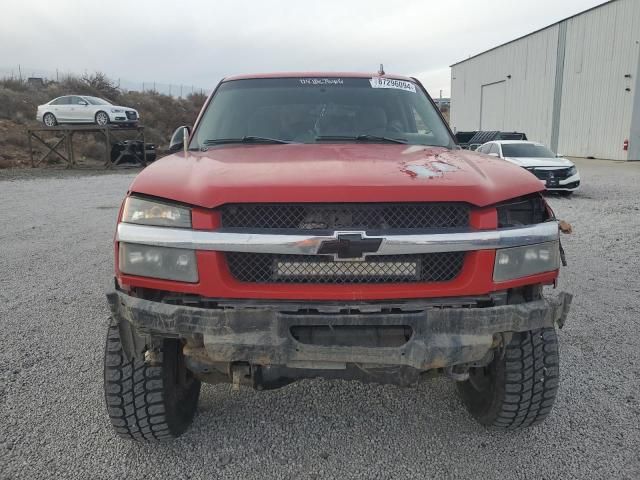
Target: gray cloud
[[200, 41]]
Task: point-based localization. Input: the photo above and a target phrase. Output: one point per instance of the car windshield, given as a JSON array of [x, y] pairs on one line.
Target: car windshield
[[96, 101], [315, 110], [526, 150]]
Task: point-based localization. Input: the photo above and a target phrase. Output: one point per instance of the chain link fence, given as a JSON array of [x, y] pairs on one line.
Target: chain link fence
[[38, 75]]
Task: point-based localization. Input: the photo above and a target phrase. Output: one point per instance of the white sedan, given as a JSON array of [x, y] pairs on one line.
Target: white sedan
[[85, 109], [557, 173]]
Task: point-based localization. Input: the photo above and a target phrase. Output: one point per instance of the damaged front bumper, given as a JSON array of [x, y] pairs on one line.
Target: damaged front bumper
[[421, 335]]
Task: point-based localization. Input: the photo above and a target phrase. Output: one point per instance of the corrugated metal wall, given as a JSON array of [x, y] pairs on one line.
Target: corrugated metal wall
[[593, 109], [528, 104], [602, 47]]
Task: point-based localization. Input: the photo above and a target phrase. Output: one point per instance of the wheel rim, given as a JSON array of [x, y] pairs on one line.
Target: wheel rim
[[101, 118], [48, 120], [481, 378]]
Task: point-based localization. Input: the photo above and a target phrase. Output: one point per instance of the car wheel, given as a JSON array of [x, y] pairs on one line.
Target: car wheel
[[148, 402], [102, 119], [49, 120], [518, 388]]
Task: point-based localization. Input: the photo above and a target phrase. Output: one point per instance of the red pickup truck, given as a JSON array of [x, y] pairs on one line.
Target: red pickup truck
[[327, 225]]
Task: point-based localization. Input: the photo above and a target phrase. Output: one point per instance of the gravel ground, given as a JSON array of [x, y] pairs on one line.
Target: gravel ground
[[55, 263]]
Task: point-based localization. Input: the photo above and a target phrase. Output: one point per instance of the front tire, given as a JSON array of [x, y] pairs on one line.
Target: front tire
[[49, 120], [148, 403], [102, 119], [516, 390]]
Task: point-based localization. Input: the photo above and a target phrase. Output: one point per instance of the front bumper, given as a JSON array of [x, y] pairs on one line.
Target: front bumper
[[443, 333], [123, 117], [569, 184]]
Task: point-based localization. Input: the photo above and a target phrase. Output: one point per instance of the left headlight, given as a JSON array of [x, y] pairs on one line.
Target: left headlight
[[527, 260], [151, 212], [572, 171], [117, 110]]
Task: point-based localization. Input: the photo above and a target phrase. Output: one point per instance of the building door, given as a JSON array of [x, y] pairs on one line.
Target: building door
[[492, 100]]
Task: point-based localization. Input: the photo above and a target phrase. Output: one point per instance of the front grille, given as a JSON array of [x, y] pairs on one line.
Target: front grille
[[380, 216], [322, 269], [131, 115], [560, 173]]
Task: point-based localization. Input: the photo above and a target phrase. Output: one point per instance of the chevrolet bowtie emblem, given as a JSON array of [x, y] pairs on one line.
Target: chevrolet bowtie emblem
[[349, 246]]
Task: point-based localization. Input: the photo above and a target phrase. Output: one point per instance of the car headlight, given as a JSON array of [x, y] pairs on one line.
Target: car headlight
[[572, 171], [527, 260], [158, 262], [152, 212], [117, 110], [526, 210]]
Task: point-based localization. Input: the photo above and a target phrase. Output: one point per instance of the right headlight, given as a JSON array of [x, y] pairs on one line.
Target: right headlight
[[572, 171], [517, 262], [158, 262], [152, 212]]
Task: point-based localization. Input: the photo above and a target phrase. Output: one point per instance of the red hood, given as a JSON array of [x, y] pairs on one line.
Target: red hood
[[333, 173]]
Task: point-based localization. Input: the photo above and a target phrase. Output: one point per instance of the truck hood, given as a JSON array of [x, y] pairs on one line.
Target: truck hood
[[333, 173]]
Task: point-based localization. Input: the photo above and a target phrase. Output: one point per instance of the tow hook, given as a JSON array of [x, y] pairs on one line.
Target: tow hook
[[240, 374], [459, 373]]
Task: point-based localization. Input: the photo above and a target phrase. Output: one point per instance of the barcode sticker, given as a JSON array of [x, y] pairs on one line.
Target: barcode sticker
[[381, 82]]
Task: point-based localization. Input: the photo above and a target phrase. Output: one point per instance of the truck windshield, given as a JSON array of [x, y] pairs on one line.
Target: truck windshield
[[316, 110], [526, 150]]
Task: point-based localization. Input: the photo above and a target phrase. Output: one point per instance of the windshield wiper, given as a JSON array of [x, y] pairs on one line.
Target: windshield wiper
[[245, 139], [362, 138]]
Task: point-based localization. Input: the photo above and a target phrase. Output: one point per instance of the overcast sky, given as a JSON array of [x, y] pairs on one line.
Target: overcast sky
[[200, 41]]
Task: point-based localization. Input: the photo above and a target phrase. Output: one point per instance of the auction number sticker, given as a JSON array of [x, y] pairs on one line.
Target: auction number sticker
[[380, 82]]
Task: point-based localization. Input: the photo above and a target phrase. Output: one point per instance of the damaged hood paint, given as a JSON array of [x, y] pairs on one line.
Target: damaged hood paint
[[333, 173]]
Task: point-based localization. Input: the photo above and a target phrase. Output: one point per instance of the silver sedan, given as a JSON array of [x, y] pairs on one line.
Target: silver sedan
[[85, 109]]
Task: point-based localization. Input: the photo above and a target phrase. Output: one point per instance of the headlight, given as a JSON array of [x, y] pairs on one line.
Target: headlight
[[528, 260], [572, 171], [116, 110], [151, 212], [158, 262], [522, 211]]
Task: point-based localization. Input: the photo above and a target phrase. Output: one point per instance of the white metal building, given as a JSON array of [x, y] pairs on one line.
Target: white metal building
[[574, 85]]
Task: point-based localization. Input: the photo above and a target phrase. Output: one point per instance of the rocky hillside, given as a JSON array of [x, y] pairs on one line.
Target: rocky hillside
[[160, 114]]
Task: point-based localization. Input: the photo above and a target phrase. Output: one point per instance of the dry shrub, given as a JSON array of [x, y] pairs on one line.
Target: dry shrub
[[19, 140], [160, 114], [90, 148]]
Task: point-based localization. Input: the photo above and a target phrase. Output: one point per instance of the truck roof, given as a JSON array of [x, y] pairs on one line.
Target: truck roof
[[315, 74]]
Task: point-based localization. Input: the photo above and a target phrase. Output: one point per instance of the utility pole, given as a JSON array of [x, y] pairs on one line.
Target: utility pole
[[19, 72]]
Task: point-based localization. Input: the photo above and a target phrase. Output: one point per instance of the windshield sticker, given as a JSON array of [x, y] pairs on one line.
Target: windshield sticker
[[380, 82], [321, 81]]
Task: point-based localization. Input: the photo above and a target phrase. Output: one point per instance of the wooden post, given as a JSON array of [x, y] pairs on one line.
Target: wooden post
[[30, 148], [107, 153]]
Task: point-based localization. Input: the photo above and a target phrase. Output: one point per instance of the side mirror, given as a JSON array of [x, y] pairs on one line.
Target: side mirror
[[82, 102], [559, 155], [494, 154], [178, 138]]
